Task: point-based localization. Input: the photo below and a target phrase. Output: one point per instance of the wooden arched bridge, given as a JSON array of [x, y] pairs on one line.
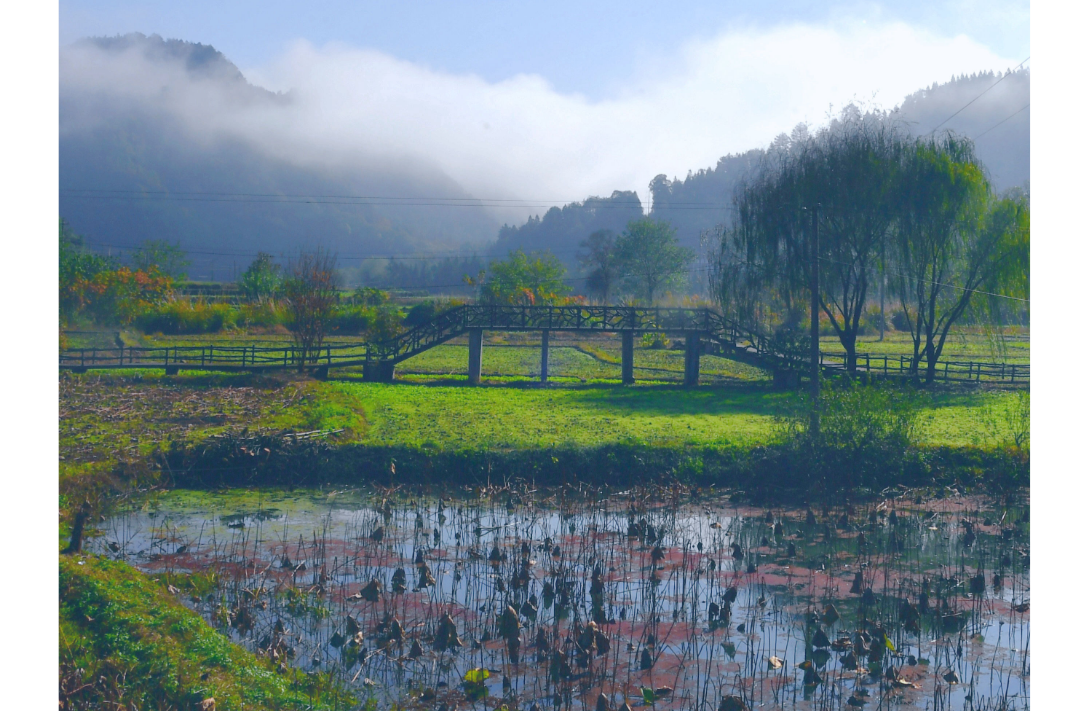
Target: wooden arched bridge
[[703, 330]]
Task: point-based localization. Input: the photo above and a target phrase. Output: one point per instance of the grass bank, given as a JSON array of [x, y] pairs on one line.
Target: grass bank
[[126, 641], [117, 427]]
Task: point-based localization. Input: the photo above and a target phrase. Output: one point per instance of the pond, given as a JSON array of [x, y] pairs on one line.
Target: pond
[[667, 597]]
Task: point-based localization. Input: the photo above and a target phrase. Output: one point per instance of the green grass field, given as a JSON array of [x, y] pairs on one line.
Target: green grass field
[[450, 417], [963, 344], [113, 417]]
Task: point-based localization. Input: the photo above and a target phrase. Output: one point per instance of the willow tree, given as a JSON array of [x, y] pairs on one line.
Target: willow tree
[[956, 245], [846, 172]]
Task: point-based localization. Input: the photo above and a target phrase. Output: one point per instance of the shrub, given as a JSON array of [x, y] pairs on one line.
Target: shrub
[[187, 317], [263, 314], [352, 319], [656, 341], [385, 325], [865, 431], [900, 320], [370, 296]]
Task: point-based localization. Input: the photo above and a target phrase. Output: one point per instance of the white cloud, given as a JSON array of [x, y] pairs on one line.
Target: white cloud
[[520, 138]]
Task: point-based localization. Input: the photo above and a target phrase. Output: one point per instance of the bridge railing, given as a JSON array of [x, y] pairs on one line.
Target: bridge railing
[[576, 317]]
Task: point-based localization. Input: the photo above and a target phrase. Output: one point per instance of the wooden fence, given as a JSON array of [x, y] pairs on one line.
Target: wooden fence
[[963, 371], [211, 357]]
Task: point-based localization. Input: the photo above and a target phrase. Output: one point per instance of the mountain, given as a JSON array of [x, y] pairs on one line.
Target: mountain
[[997, 120], [164, 139]]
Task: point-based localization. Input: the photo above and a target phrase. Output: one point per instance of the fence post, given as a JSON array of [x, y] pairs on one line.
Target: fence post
[[946, 370], [978, 374], [1013, 378]]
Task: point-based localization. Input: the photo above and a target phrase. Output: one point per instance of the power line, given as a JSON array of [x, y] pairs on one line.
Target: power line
[[284, 195], [380, 202], [1025, 106], [430, 256], [1003, 77]]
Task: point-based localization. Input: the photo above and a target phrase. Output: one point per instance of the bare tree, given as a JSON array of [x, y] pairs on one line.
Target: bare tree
[[310, 291]]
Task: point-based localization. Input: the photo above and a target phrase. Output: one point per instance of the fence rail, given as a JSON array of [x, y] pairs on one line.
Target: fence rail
[[957, 371], [722, 335], [211, 357]]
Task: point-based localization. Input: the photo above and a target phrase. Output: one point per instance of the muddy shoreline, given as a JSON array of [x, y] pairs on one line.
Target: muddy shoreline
[[766, 473]]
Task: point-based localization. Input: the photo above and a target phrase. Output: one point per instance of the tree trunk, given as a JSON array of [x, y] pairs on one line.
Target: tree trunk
[[848, 338]]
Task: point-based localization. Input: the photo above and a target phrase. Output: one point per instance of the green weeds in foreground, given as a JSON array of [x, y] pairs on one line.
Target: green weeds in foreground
[[126, 640]]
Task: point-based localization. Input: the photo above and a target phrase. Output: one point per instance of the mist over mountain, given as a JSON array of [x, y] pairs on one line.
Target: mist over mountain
[[163, 139], [166, 139], [997, 120]]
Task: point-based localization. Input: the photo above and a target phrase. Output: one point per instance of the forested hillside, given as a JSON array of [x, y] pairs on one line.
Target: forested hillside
[[997, 120], [562, 229]]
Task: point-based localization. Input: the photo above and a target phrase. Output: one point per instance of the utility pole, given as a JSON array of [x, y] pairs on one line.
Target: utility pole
[[881, 336], [815, 338]]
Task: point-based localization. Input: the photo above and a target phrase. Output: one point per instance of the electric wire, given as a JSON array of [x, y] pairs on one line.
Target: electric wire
[[1025, 106], [1003, 77]]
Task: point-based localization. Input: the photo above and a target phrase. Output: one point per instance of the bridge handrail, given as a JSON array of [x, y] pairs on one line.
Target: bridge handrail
[[768, 352]]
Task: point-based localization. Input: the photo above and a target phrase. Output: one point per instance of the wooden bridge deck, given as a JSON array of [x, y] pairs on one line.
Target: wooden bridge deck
[[704, 331]]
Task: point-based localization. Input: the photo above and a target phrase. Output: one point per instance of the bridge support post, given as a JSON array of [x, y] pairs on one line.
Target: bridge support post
[[544, 355], [628, 357], [476, 353], [379, 371], [692, 366]]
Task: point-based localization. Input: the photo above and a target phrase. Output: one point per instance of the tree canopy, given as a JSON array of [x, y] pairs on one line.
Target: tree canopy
[[598, 257], [524, 279], [262, 278], [650, 258], [918, 209]]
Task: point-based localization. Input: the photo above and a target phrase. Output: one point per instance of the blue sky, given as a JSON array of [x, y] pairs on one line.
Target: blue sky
[[592, 48]]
